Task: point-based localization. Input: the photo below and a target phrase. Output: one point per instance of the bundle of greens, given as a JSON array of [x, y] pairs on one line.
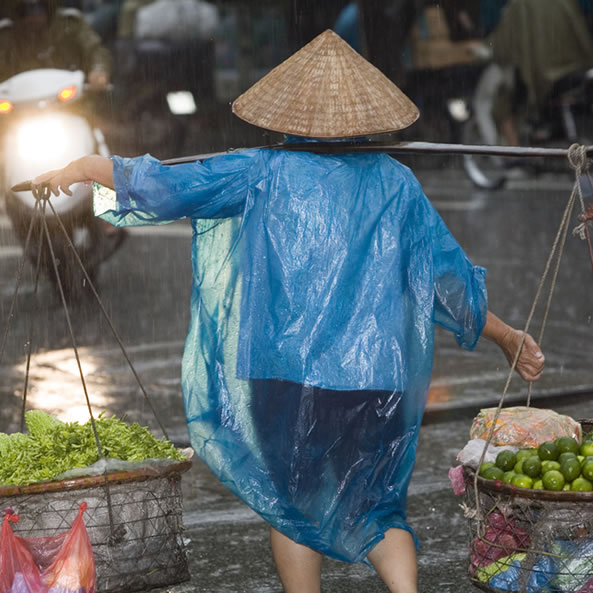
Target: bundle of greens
[[53, 447]]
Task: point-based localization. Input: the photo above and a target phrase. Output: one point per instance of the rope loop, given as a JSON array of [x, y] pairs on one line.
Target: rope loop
[[577, 157], [41, 192]]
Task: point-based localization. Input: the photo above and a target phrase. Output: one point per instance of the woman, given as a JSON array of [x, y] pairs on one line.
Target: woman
[[318, 279]]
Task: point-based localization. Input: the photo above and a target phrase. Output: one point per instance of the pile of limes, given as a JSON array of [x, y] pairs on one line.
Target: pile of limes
[[562, 464]]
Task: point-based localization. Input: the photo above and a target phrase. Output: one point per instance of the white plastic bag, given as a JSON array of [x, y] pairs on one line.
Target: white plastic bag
[[176, 20], [472, 452]]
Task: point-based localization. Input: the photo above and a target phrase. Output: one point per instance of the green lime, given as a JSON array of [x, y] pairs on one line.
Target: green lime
[[485, 466], [522, 481], [581, 458], [586, 448], [538, 485], [548, 451], [581, 485], [565, 456], [525, 453], [570, 469], [532, 467], [566, 487], [518, 468], [565, 444], [553, 480], [586, 460], [493, 473], [587, 470], [549, 465], [506, 460], [508, 476]]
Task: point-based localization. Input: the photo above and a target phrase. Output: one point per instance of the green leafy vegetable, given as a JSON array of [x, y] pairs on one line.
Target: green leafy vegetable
[[53, 447]]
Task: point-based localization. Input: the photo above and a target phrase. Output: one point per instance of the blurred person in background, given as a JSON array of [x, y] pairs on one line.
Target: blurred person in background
[[541, 42], [39, 34]]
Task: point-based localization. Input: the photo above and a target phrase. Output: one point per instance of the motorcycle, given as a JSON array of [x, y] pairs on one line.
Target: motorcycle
[[566, 118], [42, 129]]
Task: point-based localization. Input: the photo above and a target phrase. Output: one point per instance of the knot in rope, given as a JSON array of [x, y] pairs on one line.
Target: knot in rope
[[577, 157]]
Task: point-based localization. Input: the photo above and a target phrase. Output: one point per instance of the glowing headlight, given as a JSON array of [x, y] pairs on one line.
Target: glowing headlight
[[40, 138]]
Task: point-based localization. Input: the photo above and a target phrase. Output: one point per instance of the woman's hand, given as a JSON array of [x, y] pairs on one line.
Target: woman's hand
[[530, 363], [62, 179], [88, 168]]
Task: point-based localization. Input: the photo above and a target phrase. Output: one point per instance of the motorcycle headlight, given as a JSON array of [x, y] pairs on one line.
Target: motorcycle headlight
[[39, 138]]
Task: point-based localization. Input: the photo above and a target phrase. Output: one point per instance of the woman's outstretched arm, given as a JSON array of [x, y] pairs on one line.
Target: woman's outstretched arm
[[88, 168]]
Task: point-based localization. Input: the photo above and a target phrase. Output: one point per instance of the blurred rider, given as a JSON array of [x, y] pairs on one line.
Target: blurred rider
[[38, 34]]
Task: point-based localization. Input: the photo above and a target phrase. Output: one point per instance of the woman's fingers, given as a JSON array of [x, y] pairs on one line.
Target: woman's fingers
[[55, 181]]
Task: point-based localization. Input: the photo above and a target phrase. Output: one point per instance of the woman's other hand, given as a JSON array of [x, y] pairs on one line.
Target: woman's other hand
[[530, 363]]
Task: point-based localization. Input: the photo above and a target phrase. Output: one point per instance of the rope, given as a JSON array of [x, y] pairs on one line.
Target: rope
[[577, 156], [30, 329], [109, 322], [19, 277]]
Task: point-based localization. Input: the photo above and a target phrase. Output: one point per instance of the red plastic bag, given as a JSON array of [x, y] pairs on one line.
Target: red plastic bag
[[60, 564]]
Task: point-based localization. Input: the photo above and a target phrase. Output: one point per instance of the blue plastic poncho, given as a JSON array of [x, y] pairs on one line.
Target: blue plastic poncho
[[317, 281]]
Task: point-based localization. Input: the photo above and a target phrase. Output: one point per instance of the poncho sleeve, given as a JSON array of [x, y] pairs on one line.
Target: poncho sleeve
[[149, 192], [461, 301]]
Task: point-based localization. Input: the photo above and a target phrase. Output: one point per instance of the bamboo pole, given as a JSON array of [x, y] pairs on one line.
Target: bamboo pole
[[401, 148], [376, 147]]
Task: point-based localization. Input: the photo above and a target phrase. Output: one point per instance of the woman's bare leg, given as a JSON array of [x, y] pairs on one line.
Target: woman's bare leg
[[299, 567], [394, 559]]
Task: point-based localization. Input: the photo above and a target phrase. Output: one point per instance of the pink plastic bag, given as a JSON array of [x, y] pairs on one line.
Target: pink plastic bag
[[60, 564]]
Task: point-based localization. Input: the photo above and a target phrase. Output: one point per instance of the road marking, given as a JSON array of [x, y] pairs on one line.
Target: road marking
[[238, 515]]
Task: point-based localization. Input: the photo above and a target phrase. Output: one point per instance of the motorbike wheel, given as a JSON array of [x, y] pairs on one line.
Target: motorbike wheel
[[485, 172]]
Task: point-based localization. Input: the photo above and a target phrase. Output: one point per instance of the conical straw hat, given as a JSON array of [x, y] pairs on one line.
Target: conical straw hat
[[326, 90]]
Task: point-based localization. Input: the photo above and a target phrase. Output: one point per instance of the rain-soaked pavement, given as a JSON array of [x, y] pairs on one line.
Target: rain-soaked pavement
[[145, 289]]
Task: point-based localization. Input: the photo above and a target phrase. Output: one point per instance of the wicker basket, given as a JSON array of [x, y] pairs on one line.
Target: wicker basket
[[140, 547], [533, 541]]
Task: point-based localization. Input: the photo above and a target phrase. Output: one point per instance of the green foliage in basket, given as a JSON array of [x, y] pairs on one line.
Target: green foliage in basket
[[53, 447]]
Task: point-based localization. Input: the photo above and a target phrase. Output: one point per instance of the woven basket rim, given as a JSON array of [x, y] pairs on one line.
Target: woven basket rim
[[147, 473]]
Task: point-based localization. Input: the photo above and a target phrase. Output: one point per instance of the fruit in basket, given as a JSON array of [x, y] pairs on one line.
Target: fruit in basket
[[567, 444], [548, 465], [587, 470], [506, 460], [548, 451], [493, 473], [570, 469], [565, 456], [581, 485], [553, 480], [586, 448], [538, 485], [485, 466], [525, 453], [532, 466], [508, 476], [522, 481]]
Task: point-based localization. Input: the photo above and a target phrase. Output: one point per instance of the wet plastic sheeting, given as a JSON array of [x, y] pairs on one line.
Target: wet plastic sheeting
[[317, 283]]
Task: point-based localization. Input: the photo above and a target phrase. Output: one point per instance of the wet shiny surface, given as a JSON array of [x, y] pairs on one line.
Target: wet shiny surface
[[145, 289]]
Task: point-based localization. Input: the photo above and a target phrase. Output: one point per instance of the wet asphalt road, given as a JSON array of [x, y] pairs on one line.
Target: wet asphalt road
[[145, 289]]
